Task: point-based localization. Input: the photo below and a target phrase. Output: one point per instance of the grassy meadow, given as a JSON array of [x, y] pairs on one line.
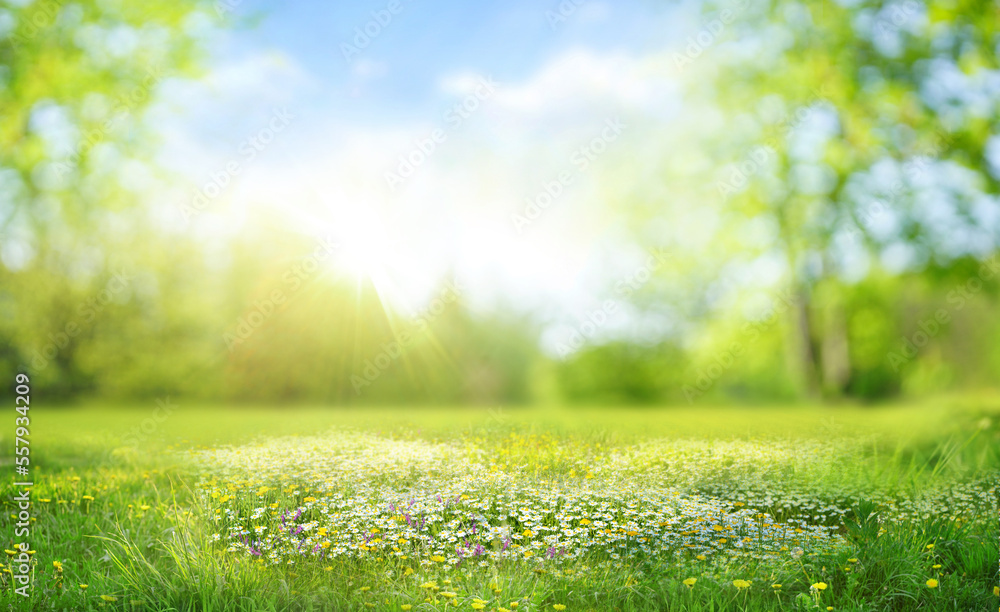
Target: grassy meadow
[[757, 508], [501, 306]]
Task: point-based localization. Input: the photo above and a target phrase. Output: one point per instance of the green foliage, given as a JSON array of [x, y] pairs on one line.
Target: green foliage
[[621, 372], [145, 535], [96, 299]]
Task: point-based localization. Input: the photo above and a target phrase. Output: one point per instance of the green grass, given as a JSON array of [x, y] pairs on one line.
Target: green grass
[[145, 537]]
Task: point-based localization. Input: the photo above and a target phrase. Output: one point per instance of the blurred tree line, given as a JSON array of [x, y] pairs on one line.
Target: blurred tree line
[[850, 147]]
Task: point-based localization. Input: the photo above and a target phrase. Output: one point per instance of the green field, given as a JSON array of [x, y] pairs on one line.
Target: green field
[[797, 508]]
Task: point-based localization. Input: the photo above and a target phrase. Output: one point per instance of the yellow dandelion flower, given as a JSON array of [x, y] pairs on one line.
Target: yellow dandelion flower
[[741, 584], [84, 586], [478, 606], [405, 607], [365, 588], [57, 565], [690, 581], [701, 557], [775, 586], [437, 559], [930, 547], [88, 498], [996, 591], [932, 584], [852, 560], [819, 586], [558, 606], [109, 598], [448, 594]]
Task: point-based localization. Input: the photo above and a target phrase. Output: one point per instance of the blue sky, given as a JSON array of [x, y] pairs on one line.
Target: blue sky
[[538, 93], [522, 199], [425, 41]]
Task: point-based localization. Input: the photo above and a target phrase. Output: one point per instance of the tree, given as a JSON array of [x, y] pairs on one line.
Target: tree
[[861, 132], [75, 79]]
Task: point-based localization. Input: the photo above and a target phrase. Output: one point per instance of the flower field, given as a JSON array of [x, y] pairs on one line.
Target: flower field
[[428, 504], [758, 509]]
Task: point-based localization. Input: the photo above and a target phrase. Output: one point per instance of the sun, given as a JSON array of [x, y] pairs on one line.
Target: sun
[[365, 249], [373, 249], [366, 253]]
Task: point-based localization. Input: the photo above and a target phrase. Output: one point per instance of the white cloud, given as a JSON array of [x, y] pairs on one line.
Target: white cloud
[[582, 79], [454, 214]]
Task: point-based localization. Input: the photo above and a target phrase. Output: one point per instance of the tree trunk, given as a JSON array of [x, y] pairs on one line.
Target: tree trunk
[[809, 355], [836, 352]]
